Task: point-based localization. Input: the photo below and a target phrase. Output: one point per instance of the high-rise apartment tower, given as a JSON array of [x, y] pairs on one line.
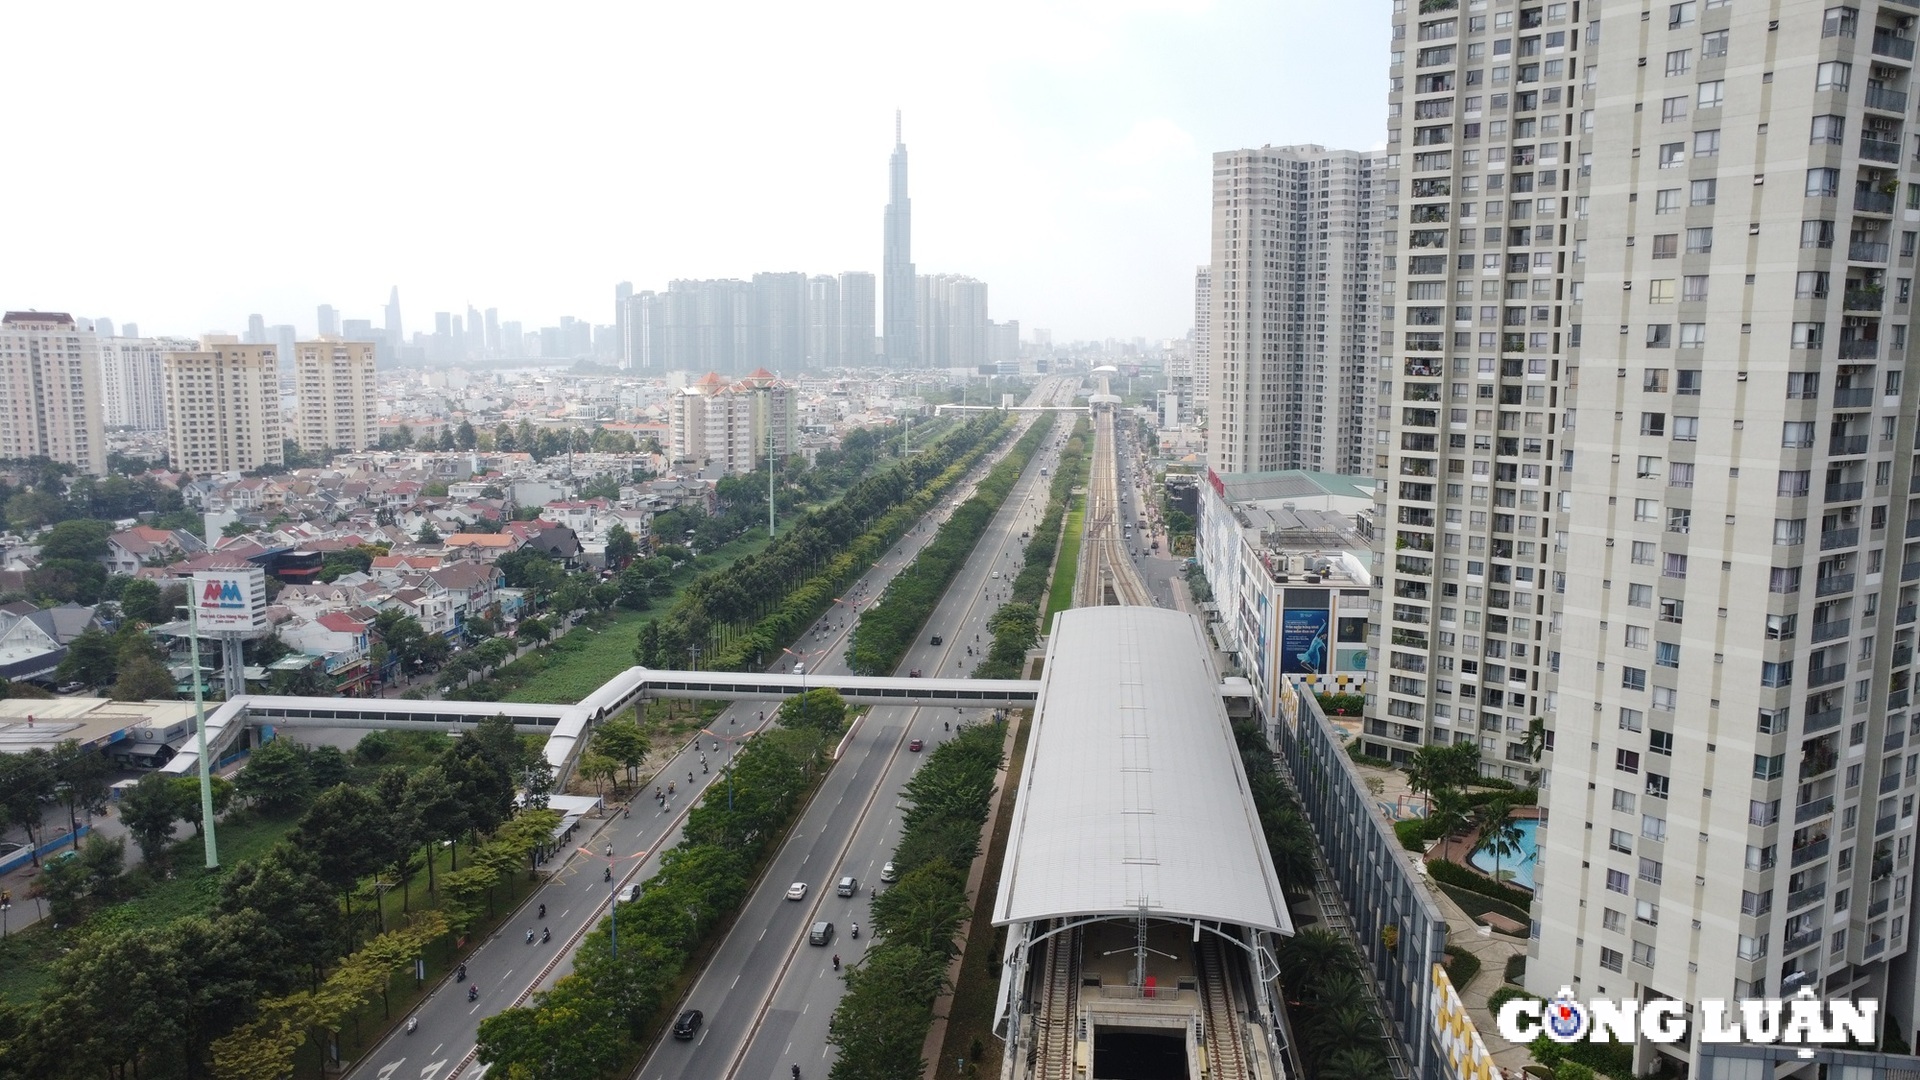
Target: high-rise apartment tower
[[339, 401], [1295, 281], [223, 407], [50, 391]]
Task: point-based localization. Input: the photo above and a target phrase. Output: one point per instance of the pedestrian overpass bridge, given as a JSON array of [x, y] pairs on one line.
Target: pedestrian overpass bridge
[[567, 726]]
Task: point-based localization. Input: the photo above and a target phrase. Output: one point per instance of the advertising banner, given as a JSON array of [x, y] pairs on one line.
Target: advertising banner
[[230, 600], [1304, 644]]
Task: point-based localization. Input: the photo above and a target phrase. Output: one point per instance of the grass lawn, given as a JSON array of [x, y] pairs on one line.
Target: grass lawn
[[1066, 564], [970, 1016], [582, 660], [26, 956], [1476, 905]]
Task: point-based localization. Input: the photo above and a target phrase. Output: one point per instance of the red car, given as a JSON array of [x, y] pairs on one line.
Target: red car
[[914, 674], [916, 746]]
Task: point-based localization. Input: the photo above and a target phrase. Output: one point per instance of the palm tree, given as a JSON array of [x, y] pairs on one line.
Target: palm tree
[[1354, 1063], [1350, 1027], [1310, 953], [1499, 834], [1450, 812], [1424, 773], [1339, 989]]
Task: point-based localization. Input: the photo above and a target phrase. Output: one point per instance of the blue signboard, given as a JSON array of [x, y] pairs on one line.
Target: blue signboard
[[1304, 644]]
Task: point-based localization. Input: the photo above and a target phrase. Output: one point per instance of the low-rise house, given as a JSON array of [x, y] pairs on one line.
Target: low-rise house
[[130, 549]]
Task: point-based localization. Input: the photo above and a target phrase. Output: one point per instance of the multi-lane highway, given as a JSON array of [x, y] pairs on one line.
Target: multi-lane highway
[[766, 995]]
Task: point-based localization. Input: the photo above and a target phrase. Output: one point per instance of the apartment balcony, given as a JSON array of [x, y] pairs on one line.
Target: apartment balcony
[[1833, 584], [1910, 571], [1806, 896], [1827, 631], [1807, 811], [1822, 676], [1902, 655], [1848, 491], [1898, 699], [1839, 538], [1846, 445], [1859, 349], [1853, 397], [1810, 852], [1801, 940], [1821, 721], [1866, 251], [1880, 149], [1885, 825], [1906, 614], [1887, 43], [1865, 299], [1890, 783], [1872, 202], [1879, 97], [1877, 908]]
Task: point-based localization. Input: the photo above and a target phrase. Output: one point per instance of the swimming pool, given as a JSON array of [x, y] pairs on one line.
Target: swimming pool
[[1517, 869]]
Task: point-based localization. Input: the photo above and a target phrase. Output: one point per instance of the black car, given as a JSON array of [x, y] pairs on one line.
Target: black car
[[688, 1025], [938, 640]]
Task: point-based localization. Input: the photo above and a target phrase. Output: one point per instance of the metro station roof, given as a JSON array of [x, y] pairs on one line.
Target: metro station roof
[[1133, 800]]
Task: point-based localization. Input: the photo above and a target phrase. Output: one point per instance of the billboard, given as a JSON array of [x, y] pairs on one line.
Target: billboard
[[230, 600], [1304, 641]]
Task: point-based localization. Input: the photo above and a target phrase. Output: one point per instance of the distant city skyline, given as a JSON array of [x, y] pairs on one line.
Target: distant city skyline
[[1062, 152]]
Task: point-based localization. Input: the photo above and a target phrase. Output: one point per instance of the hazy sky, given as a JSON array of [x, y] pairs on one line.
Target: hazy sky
[[185, 165]]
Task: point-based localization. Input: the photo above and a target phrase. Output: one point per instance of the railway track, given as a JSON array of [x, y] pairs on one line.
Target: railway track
[[1058, 1020], [1107, 573]]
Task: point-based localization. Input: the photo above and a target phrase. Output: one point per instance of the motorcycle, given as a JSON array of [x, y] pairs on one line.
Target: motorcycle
[[460, 973], [543, 911], [413, 1024], [856, 931], [529, 937], [473, 992], [545, 936]]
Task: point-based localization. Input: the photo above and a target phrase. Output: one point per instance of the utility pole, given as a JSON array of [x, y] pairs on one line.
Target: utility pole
[[200, 725]]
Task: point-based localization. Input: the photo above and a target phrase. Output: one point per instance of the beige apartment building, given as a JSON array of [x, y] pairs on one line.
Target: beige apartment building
[[50, 390], [223, 407], [339, 405]]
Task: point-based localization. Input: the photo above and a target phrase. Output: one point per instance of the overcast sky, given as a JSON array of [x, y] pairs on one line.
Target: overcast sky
[[184, 165]]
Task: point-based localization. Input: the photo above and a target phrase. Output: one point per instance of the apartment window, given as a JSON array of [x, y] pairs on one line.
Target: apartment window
[[1618, 881], [1693, 335], [1644, 510], [1680, 474], [1620, 840], [1680, 61], [1809, 335], [1702, 192], [1686, 428], [1623, 801], [1642, 552], [1615, 921], [1833, 75], [1611, 959], [1810, 285], [1653, 423], [1752, 948], [1823, 183], [1674, 154], [1713, 44], [1665, 698], [1666, 201], [1768, 766], [1651, 870], [1635, 637], [1816, 234], [1673, 109], [1666, 245], [1699, 241], [1711, 94], [1772, 721], [1829, 130], [1660, 291], [1658, 787]]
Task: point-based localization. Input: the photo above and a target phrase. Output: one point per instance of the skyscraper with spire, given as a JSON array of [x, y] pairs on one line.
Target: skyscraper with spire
[[897, 321]]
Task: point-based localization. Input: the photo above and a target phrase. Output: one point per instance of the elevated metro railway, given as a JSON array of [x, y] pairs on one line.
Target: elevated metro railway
[[1107, 573]]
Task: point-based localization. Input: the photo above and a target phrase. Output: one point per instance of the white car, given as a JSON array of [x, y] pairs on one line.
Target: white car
[[797, 891]]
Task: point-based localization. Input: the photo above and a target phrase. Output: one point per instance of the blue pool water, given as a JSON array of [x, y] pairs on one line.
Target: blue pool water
[[1517, 869]]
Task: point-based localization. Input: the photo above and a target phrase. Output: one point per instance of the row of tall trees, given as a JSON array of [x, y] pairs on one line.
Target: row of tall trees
[[888, 628], [882, 1021], [746, 613]]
